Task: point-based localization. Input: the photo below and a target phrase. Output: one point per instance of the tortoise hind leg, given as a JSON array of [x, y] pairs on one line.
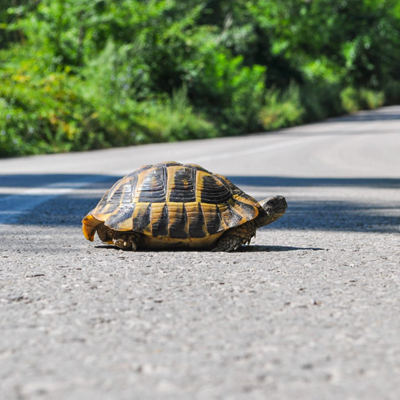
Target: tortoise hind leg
[[122, 240], [104, 233], [235, 237], [127, 242]]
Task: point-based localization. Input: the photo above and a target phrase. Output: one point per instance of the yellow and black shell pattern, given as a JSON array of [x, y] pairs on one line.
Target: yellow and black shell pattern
[[174, 202]]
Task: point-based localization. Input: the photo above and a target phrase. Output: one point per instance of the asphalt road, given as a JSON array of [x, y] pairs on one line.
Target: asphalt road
[[309, 311]]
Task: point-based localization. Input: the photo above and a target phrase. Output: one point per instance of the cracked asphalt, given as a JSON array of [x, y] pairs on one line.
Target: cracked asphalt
[[310, 310]]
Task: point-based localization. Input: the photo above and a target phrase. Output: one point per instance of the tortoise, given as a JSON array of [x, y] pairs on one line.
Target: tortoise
[[183, 206]]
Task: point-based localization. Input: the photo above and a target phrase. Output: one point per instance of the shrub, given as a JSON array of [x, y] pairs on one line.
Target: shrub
[[173, 119], [392, 92], [320, 100], [45, 112], [358, 99], [234, 93], [117, 85], [282, 109], [42, 115]]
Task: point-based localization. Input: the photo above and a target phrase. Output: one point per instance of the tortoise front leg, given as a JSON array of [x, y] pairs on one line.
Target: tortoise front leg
[[235, 237]]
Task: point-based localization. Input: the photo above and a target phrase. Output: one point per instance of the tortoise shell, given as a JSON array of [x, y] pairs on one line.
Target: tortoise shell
[[172, 202]]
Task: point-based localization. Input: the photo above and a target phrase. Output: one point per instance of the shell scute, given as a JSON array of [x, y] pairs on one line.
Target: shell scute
[[213, 190], [197, 228], [152, 186], [231, 214], [159, 218], [178, 221], [141, 218], [213, 219], [181, 185], [122, 220]]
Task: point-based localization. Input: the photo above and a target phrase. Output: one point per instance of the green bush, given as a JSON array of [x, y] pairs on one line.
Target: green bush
[[282, 109], [392, 92], [61, 112], [235, 93], [320, 100], [173, 119], [117, 85], [358, 99], [42, 115]]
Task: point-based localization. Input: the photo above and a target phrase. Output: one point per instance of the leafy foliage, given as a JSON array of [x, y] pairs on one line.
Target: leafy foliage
[[83, 74], [282, 109]]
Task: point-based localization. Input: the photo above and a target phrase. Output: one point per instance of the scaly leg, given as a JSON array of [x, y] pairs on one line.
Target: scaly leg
[[127, 242], [235, 237], [123, 240]]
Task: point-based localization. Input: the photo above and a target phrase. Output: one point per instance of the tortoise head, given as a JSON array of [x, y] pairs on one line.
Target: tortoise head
[[274, 208]]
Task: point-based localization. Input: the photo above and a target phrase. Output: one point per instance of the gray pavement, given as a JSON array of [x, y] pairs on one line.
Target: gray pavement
[[310, 310]]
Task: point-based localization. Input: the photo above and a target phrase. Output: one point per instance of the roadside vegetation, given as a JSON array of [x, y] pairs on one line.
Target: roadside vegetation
[[88, 74]]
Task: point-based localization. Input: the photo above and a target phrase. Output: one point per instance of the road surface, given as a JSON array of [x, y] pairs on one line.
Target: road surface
[[310, 310]]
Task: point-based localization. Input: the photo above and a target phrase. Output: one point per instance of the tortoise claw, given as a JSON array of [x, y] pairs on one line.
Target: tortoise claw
[[125, 244]]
